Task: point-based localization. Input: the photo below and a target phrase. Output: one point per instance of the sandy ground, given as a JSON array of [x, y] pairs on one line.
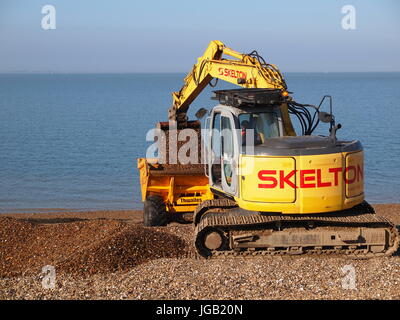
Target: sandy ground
[[110, 255]]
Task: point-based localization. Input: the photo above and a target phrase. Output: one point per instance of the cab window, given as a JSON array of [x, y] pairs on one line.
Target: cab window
[[260, 125]]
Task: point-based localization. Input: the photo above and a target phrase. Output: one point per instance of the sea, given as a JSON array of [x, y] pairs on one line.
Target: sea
[[71, 141]]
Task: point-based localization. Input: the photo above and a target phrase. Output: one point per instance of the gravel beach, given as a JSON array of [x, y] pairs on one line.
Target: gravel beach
[[110, 255]]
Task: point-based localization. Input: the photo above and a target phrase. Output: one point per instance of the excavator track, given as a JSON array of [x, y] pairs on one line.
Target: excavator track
[[223, 229]]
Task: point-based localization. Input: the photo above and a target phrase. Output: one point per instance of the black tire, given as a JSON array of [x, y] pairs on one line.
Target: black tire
[[154, 212]]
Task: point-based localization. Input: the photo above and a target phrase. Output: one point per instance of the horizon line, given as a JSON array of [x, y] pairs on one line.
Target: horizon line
[[171, 72]]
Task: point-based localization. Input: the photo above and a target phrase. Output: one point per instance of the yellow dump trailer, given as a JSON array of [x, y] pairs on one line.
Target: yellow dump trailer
[[171, 191]]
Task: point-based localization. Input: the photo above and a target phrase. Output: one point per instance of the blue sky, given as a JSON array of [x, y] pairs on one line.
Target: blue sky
[[168, 36]]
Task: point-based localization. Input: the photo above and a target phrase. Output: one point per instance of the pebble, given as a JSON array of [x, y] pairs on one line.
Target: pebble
[[113, 259]]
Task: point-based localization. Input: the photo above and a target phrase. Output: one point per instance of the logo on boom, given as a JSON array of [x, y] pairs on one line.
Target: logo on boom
[[232, 73]]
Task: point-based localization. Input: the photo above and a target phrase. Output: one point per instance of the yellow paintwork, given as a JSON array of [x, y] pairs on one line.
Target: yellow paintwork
[[357, 187], [317, 190], [181, 193], [249, 171]]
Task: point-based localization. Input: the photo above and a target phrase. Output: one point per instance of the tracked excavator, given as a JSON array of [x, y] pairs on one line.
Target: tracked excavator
[[263, 190]]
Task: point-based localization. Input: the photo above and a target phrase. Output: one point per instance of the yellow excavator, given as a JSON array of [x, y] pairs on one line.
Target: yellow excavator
[[260, 189]]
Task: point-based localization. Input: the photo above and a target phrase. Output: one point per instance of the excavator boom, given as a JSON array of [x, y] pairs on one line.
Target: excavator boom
[[245, 70]]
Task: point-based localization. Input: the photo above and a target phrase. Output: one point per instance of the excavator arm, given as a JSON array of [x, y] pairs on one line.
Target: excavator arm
[[245, 70]]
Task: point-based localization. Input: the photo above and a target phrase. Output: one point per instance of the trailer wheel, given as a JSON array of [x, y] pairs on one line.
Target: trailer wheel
[[154, 212]]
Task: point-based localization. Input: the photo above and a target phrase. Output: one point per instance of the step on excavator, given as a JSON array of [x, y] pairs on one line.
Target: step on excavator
[[261, 189]]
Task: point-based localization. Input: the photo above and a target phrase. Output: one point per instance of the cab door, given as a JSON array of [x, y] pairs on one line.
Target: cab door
[[229, 153], [214, 151]]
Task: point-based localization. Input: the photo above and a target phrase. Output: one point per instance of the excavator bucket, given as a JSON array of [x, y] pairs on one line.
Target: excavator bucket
[[179, 145], [165, 125]]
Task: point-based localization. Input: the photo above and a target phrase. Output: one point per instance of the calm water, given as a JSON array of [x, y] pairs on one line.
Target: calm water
[[71, 141]]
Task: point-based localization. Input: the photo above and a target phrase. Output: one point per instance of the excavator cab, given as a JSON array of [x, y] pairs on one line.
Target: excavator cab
[[236, 129]]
